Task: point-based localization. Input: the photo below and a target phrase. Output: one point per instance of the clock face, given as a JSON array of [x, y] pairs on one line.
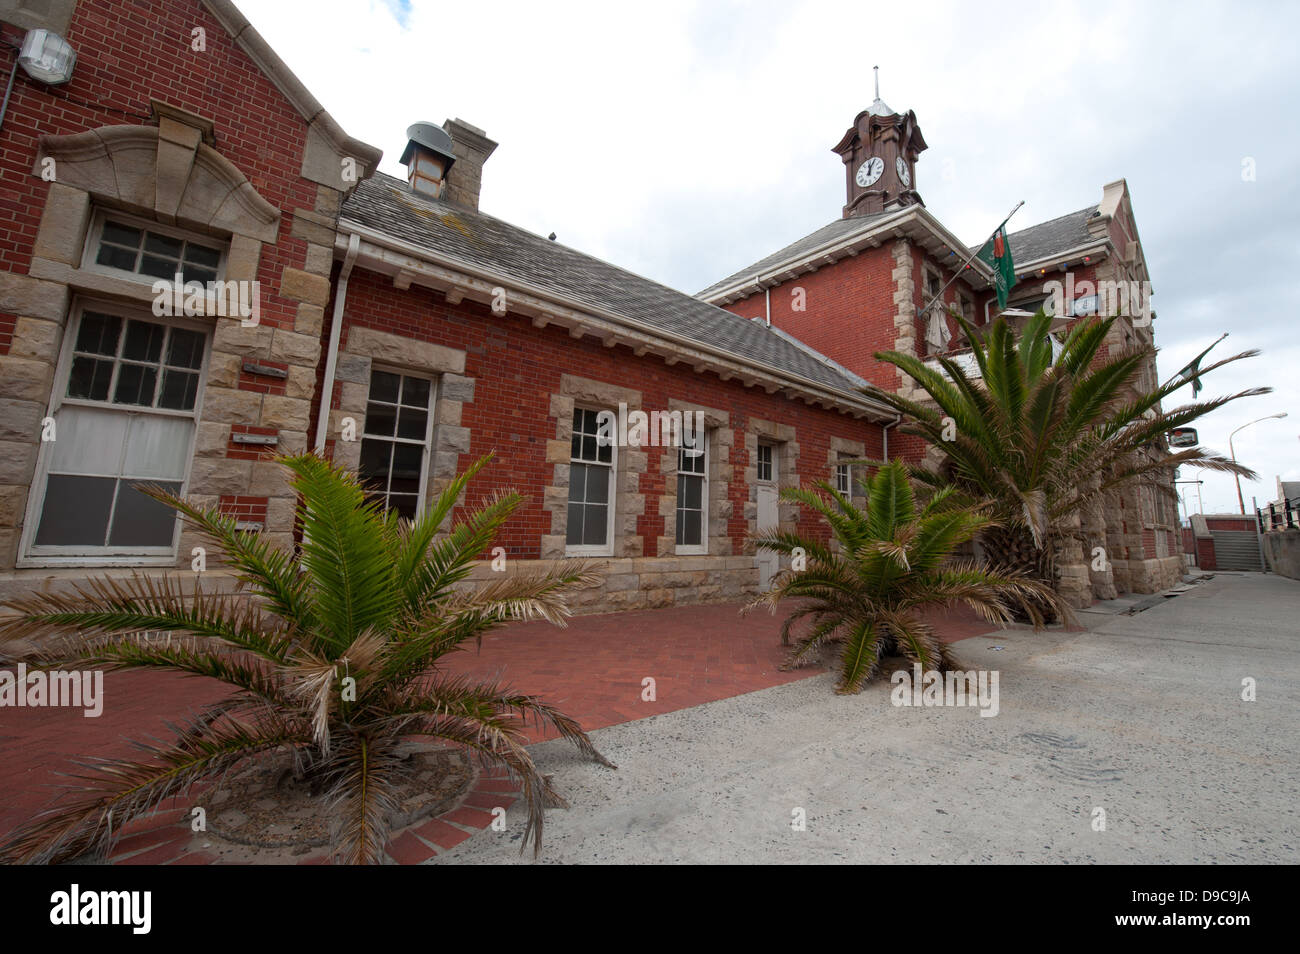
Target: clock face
[[870, 171], [905, 177]]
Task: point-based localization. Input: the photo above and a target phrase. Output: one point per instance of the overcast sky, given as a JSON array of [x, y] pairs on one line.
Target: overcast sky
[[685, 140]]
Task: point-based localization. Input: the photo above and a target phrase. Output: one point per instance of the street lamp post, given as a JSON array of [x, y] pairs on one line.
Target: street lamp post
[[1183, 497], [1237, 477]]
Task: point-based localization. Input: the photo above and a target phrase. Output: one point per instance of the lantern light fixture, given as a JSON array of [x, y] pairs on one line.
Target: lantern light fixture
[[47, 57]]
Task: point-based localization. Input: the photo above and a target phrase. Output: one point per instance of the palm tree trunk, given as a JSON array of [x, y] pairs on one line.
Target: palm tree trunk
[[1013, 548]]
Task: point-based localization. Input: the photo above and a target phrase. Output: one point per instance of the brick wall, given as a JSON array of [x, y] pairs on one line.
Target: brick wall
[[127, 54], [1230, 523], [1205, 553], [849, 316], [244, 509], [130, 52], [516, 367]]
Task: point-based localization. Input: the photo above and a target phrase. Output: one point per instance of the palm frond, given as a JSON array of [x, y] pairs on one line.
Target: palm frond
[[332, 654], [114, 791]]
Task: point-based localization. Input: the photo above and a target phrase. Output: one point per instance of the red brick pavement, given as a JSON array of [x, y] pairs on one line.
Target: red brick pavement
[[593, 670]]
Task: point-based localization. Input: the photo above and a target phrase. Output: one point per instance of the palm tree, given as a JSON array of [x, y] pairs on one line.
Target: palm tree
[[891, 562], [1039, 437], [332, 656]]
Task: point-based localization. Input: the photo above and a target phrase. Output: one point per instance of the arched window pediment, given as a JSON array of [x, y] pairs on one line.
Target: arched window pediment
[[163, 171]]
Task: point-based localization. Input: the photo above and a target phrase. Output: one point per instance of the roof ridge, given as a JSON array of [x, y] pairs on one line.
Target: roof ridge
[[388, 203]]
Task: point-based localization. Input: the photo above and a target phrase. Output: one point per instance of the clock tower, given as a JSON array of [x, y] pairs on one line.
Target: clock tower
[[879, 152]]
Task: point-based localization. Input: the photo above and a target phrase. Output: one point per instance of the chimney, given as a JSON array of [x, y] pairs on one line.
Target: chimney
[[428, 158], [471, 148]]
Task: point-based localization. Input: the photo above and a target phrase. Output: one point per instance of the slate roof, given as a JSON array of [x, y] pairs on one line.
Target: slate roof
[[1051, 237], [1027, 245], [827, 233], [388, 205]]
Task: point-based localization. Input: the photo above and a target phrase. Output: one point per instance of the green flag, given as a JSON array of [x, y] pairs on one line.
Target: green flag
[[996, 254]]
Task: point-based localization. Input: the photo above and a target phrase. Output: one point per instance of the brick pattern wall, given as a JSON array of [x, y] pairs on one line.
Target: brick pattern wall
[[844, 304], [1231, 523], [256, 127], [130, 52], [238, 449], [517, 367], [244, 509], [254, 376]]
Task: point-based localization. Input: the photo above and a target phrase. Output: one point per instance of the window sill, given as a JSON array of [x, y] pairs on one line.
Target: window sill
[[95, 281], [571, 551], [93, 562]]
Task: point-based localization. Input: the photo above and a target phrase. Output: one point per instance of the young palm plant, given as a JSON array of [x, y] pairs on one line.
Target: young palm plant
[[332, 656], [892, 561], [1039, 437]]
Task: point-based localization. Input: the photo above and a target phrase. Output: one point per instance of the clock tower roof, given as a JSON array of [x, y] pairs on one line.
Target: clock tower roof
[[880, 108], [879, 152]]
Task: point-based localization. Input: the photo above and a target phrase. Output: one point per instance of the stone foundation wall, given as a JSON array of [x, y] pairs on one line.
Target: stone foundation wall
[[650, 582], [1156, 575], [1282, 552]]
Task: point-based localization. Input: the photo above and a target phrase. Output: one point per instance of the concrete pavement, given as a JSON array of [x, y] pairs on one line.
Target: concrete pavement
[[1141, 717]]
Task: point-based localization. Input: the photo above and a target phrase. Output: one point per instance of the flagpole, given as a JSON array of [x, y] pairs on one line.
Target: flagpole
[[939, 296]]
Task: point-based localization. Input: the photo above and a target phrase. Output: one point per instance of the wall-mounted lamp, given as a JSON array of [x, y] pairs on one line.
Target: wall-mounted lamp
[[47, 57], [44, 56]]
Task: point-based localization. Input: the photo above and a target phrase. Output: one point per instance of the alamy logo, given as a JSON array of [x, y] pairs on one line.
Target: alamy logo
[[233, 299], [655, 429], [42, 688], [74, 907], [977, 689], [1127, 299]]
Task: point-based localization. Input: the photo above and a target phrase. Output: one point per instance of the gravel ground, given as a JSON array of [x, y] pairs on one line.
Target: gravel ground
[[1141, 717]]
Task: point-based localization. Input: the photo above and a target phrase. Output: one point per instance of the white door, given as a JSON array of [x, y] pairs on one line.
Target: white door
[[768, 562]]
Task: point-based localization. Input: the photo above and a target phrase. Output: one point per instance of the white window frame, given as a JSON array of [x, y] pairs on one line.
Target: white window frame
[[701, 548], [91, 249], [928, 270], [595, 549], [1058, 346], [844, 468], [427, 450], [966, 306], [775, 473], [29, 556]]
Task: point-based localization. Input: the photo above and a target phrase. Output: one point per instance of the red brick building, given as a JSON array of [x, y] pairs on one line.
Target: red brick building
[[394, 325], [864, 283]]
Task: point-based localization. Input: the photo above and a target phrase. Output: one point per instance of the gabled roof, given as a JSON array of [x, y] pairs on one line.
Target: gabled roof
[[1053, 237], [388, 205], [827, 233], [843, 238], [319, 121], [1037, 242]]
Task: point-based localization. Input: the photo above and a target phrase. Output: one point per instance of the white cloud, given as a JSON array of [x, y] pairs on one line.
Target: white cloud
[[683, 140]]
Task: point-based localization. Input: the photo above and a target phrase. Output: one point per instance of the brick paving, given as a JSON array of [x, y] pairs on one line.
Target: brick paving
[[593, 670]]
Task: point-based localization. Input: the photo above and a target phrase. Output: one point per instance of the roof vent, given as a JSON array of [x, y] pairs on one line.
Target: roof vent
[[428, 158]]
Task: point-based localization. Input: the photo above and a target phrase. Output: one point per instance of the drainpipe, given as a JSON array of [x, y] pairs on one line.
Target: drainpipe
[[9, 87], [769, 306], [336, 332], [884, 436]]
